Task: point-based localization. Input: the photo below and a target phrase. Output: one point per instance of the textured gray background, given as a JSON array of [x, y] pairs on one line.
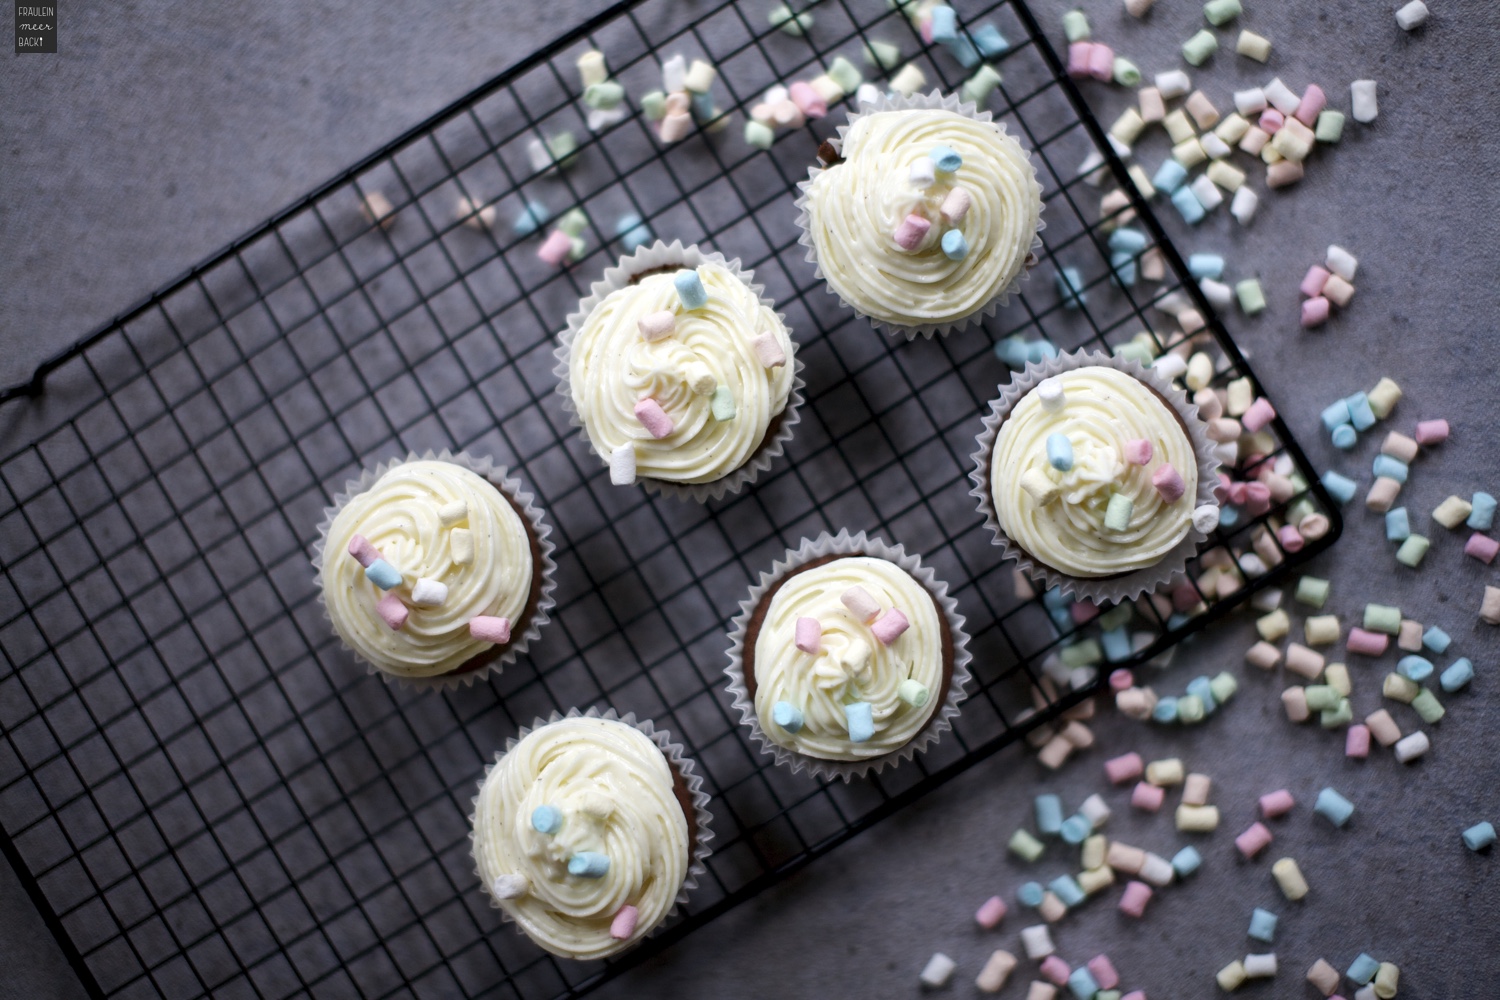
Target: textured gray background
[[164, 130]]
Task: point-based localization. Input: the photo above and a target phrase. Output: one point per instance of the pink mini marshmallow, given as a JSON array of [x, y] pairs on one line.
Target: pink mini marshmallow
[[1147, 797], [1257, 498], [955, 206], [1133, 901], [1432, 431], [1078, 59], [1261, 412], [1277, 803], [1101, 62], [1357, 742], [1271, 121], [809, 635], [652, 417], [1104, 972], [924, 28], [361, 549], [1313, 101], [1314, 280], [623, 925], [1168, 483], [1185, 597], [1121, 679], [768, 350], [675, 126], [555, 249], [1314, 312], [1237, 494], [392, 611], [1083, 612], [1367, 643], [1138, 451], [860, 604], [889, 626], [488, 628], [1126, 767], [1482, 547], [1291, 539], [1055, 970], [909, 234], [655, 326], [807, 100], [1135, 995], [990, 913], [1253, 840]]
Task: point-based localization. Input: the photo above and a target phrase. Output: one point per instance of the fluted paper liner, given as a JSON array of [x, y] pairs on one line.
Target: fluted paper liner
[[1100, 590], [935, 101], [679, 762], [845, 544], [498, 477], [650, 258]]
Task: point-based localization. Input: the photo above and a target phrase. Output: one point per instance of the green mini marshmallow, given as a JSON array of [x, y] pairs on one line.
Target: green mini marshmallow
[[604, 96], [845, 74], [1197, 49], [981, 85], [1383, 618], [1340, 715], [1221, 12], [882, 54], [1081, 654], [1413, 550], [1127, 73], [1116, 616], [1312, 591], [1252, 297], [1134, 352], [1190, 709], [795, 25], [564, 148], [1117, 515], [759, 135], [722, 403], [654, 105], [1321, 696], [1427, 706], [573, 222], [1076, 26], [1330, 127], [1223, 687], [1024, 846], [1302, 506]]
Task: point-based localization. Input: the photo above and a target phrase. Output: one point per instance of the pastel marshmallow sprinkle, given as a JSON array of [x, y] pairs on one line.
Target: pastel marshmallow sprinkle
[[910, 233], [555, 249], [787, 716], [768, 350], [624, 923], [589, 864], [1051, 394], [489, 628], [690, 289], [1059, 452], [546, 819], [809, 637], [889, 626], [1168, 483], [622, 465], [1138, 451], [947, 159], [1277, 803], [861, 722], [922, 173], [990, 913], [392, 611], [512, 886], [955, 247], [383, 575], [956, 205], [450, 514], [363, 552], [429, 593], [657, 325], [652, 417], [860, 604], [1254, 840]]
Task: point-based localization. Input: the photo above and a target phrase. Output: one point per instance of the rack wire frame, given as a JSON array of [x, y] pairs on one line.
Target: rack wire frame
[[205, 796]]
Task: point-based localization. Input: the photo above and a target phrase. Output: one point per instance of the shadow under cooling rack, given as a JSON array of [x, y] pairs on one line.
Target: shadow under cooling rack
[[205, 796]]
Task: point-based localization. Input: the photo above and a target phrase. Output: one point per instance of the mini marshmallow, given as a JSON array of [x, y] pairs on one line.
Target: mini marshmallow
[[363, 552], [392, 611], [490, 629], [657, 325], [809, 635], [768, 350], [860, 604], [889, 626], [622, 465], [910, 233], [1362, 97], [938, 971], [652, 417], [429, 593]]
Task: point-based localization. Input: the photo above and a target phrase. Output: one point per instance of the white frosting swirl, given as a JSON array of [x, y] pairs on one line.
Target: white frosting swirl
[[1103, 409], [854, 208], [613, 786], [610, 368], [399, 516], [820, 685]]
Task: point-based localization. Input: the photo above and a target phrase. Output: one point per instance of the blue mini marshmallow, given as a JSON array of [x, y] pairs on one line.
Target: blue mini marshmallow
[[1336, 415], [955, 247], [944, 24], [963, 49], [1390, 468], [546, 819], [1031, 894], [1340, 487], [1479, 836], [1067, 889], [1059, 452], [787, 716], [861, 721], [1263, 925], [1165, 710], [1362, 969], [1397, 525], [1344, 437], [1116, 643], [1202, 688], [1170, 177], [1041, 350], [383, 575], [1482, 517], [1206, 265], [1075, 830], [1436, 640], [945, 158], [1333, 807], [1082, 984], [1127, 241], [632, 232], [690, 289], [1123, 268], [1188, 206], [1457, 674], [988, 40], [1070, 287], [1049, 817], [1414, 668], [1359, 411], [1186, 861], [589, 864]]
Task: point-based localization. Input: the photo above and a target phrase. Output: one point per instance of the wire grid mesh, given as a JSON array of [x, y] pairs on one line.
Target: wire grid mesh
[[205, 796]]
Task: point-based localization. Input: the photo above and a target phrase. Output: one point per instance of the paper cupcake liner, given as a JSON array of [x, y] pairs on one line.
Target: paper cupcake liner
[[845, 544], [498, 477], [1106, 589], [650, 258], [935, 101], [681, 763]]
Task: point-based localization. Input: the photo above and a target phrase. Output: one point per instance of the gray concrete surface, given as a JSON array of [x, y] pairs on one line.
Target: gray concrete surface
[[163, 131]]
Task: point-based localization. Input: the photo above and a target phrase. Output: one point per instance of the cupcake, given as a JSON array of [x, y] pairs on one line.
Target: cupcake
[[1096, 476], [927, 218], [588, 831], [435, 570], [683, 378], [848, 655]]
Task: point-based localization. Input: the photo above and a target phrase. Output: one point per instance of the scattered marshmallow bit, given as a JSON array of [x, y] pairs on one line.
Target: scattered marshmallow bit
[[1289, 878], [889, 626], [938, 971], [429, 593], [512, 886], [996, 971], [622, 465], [392, 611], [376, 208], [461, 546], [1412, 16], [623, 926], [768, 350], [860, 604], [487, 628], [652, 417], [1362, 97]]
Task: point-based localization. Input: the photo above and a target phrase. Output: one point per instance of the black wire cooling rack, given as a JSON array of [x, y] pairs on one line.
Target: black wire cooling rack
[[205, 796]]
